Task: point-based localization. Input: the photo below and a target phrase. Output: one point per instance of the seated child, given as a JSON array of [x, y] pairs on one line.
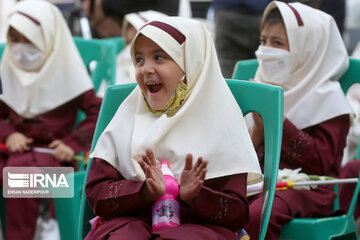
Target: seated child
[[181, 109], [302, 51]]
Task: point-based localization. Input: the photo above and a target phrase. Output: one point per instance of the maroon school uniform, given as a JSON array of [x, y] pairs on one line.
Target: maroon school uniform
[[220, 209], [44, 128], [316, 150], [346, 191]]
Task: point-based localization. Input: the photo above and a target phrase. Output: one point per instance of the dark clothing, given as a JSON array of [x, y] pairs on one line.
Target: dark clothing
[[21, 213], [242, 6], [346, 191], [218, 211], [316, 150], [121, 8]]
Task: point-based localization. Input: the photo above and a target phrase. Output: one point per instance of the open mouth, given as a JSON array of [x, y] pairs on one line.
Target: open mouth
[[154, 87]]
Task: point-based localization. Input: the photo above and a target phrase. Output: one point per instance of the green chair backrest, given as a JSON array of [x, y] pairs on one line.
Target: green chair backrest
[[270, 106], [104, 54], [246, 94], [119, 42], [67, 209], [245, 69]]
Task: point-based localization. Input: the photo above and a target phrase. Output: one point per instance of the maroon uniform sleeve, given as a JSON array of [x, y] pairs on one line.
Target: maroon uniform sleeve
[[80, 139], [6, 128], [317, 149], [109, 194], [222, 201]]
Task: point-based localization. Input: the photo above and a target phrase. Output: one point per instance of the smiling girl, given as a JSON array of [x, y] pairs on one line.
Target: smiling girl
[[181, 109]]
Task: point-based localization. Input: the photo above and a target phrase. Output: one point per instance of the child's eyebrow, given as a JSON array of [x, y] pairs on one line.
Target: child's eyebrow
[[158, 51]]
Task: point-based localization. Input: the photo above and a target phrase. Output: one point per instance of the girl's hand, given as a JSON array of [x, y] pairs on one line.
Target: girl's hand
[[18, 142], [155, 184], [62, 152], [192, 178]]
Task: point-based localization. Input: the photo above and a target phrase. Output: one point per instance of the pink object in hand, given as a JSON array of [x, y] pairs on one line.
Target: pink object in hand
[[166, 210]]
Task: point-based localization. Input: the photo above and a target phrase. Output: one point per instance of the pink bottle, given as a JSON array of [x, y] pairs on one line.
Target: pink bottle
[[166, 210]]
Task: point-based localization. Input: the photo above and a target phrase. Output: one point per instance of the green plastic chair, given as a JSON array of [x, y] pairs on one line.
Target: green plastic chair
[[245, 69], [324, 227], [67, 209], [119, 42], [104, 54], [246, 94]]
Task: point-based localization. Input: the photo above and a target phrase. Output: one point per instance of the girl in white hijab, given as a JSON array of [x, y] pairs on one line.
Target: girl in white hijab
[[302, 51], [182, 107], [45, 83]]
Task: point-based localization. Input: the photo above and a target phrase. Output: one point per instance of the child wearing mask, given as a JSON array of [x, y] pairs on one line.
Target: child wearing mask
[[302, 51], [45, 83], [181, 109]]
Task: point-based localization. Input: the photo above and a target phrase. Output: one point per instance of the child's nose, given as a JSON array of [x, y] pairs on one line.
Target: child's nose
[[148, 67]]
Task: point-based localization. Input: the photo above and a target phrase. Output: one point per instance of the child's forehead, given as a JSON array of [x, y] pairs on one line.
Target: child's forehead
[[143, 42], [274, 28]]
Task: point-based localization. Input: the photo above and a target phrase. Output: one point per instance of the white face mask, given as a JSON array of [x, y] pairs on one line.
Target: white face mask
[[274, 64], [27, 56]]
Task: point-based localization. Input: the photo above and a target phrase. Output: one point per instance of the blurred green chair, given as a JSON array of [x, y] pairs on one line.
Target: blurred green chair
[[245, 69], [119, 42], [246, 95], [67, 209], [101, 52], [323, 227]]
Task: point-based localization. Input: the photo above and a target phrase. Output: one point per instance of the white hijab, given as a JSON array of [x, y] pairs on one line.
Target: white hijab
[[63, 75], [318, 58], [209, 124]]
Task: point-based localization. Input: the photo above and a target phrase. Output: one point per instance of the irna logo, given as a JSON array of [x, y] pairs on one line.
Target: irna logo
[[38, 182], [35, 180]]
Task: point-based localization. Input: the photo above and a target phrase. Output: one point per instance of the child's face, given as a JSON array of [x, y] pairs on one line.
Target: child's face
[[156, 72], [17, 37], [274, 35]]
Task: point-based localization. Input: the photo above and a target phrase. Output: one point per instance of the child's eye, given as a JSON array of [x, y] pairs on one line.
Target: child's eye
[[138, 59], [277, 43], [262, 42], [159, 57]]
